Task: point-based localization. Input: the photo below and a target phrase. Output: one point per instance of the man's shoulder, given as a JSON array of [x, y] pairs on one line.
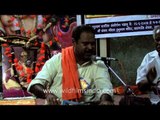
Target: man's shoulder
[[152, 53], [57, 56], [99, 63]]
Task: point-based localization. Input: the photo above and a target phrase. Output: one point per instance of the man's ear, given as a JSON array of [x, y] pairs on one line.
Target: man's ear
[[73, 40]]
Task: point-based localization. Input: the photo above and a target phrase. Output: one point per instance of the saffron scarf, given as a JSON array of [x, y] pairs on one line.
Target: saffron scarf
[[70, 78]]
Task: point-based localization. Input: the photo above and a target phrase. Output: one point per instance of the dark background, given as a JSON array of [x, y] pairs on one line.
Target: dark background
[[130, 52]]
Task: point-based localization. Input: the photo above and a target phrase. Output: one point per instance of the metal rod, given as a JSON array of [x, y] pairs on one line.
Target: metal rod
[[128, 89]]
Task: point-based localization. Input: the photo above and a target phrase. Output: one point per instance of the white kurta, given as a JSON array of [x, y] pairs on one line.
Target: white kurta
[[150, 60], [95, 74]]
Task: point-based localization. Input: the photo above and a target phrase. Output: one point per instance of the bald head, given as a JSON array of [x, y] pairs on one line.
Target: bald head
[[156, 33]]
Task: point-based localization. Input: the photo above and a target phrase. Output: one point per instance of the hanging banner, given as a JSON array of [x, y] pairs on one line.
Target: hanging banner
[[108, 26]]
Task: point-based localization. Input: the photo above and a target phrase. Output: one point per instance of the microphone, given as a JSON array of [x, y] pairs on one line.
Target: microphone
[[95, 58]]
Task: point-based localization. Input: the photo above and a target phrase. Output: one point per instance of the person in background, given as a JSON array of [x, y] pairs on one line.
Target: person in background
[[148, 73], [73, 76]]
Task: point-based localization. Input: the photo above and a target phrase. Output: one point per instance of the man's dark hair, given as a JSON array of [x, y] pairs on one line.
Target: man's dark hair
[[79, 29]]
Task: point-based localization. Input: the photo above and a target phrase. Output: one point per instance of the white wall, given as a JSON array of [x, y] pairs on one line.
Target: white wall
[[103, 47]]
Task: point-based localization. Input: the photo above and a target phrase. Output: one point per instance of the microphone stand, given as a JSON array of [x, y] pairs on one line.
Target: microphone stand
[[127, 99], [128, 90]]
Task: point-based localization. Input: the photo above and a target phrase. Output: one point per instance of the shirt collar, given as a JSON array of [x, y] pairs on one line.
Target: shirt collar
[[85, 64]]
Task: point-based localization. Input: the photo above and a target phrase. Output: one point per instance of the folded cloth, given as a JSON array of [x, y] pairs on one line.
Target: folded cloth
[[70, 78]]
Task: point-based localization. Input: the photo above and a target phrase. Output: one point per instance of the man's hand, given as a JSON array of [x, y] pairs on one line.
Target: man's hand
[[106, 100], [52, 99], [147, 84], [144, 86], [151, 75], [106, 103]]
